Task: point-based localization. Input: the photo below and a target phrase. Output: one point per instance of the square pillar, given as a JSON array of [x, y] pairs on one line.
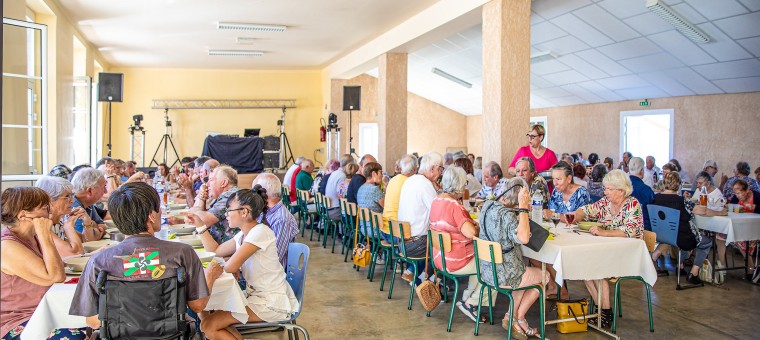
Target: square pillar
[[391, 108], [506, 78]]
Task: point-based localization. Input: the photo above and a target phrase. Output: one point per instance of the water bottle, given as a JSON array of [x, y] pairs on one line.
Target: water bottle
[[703, 196], [157, 180], [163, 234], [536, 211]]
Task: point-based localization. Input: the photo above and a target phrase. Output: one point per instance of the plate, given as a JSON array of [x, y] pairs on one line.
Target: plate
[[95, 245], [191, 240], [586, 225], [181, 229], [177, 206], [205, 256], [110, 225], [75, 265]]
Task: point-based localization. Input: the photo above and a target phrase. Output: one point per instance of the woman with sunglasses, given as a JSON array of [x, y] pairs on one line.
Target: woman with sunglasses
[[253, 253], [543, 157], [506, 221], [31, 263]]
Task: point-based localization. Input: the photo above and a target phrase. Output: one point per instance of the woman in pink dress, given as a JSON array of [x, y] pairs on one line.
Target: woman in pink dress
[[544, 158]]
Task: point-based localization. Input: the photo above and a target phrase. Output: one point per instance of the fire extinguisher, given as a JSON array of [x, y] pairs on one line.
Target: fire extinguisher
[[322, 132]]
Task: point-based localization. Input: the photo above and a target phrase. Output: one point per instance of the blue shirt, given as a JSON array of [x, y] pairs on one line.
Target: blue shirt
[[645, 195], [353, 187], [579, 198], [79, 227], [285, 229]]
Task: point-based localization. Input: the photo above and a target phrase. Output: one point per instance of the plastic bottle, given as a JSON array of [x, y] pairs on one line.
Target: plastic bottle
[[703, 196], [163, 234], [536, 211]]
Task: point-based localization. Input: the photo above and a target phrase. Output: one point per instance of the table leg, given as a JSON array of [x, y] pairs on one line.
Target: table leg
[[598, 313]]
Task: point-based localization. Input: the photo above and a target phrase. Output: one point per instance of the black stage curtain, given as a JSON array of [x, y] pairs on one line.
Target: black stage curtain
[[245, 154]]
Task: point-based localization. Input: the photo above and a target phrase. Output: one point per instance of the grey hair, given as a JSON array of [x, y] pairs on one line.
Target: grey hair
[[635, 165], [531, 165], [345, 160], [619, 180], [511, 197], [228, 172], [54, 186], [408, 164], [448, 157], [86, 178], [305, 162], [495, 169], [365, 159], [454, 180], [430, 160], [210, 165], [299, 160], [270, 183], [478, 164]]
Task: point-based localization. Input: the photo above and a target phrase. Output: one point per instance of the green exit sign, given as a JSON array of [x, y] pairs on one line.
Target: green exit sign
[[644, 103]]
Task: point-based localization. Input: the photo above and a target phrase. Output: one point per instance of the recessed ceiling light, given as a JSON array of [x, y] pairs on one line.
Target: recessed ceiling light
[[237, 53], [670, 16], [542, 56], [250, 27], [451, 77], [244, 40]]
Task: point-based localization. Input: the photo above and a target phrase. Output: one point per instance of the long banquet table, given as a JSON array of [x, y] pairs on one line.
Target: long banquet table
[[737, 227]]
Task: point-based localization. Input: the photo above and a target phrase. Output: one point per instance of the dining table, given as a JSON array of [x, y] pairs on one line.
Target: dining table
[[738, 227], [579, 255]]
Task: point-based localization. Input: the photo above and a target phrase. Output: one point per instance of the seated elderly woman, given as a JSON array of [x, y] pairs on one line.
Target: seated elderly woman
[[253, 253], [31, 263], [350, 169], [499, 222], [448, 215], [595, 187], [749, 201], [688, 234], [567, 196], [526, 169], [473, 185], [369, 195], [666, 169], [621, 216], [67, 240]]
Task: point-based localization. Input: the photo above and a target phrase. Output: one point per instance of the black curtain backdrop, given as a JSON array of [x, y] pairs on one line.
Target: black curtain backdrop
[[245, 154]]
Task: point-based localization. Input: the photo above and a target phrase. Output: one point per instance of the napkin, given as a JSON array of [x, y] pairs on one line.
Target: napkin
[[73, 280], [172, 236]]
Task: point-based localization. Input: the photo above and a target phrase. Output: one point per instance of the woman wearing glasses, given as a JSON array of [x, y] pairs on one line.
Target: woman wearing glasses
[[253, 253], [31, 263], [543, 157], [67, 240]]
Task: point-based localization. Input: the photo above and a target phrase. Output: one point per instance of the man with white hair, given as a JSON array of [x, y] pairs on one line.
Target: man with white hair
[[303, 180], [358, 180], [416, 198], [641, 191], [651, 172], [493, 181], [222, 183], [280, 220], [408, 165], [89, 186], [292, 170]]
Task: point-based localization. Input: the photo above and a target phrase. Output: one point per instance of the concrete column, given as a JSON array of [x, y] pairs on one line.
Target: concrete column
[[506, 78], [391, 108]]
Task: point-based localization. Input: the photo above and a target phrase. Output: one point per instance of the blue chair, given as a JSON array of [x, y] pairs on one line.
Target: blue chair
[[298, 261], [664, 222]]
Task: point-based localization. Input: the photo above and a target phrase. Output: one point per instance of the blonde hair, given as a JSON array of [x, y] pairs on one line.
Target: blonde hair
[[539, 129], [672, 181], [351, 169], [618, 180]]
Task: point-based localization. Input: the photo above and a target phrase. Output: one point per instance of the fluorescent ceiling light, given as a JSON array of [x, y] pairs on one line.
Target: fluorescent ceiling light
[[244, 40], [542, 56], [683, 26], [249, 27], [237, 53], [451, 77]]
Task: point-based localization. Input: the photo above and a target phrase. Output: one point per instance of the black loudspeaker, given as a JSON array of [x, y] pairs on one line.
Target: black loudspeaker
[[110, 87], [352, 98], [251, 132], [271, 160]]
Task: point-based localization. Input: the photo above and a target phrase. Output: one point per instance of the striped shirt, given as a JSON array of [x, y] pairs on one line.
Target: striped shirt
[[285, 228]]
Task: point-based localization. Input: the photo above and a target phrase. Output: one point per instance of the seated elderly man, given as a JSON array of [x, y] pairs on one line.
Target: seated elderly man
[[526, 169], [89, 186], [493, 180], [304, 180], [280, 220], [222, 183], [333, 183], [137, 213], [641, 191], [651, 172], [414, 204]]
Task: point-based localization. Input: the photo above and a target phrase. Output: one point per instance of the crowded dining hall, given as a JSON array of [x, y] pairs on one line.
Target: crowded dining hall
[[380, 170]]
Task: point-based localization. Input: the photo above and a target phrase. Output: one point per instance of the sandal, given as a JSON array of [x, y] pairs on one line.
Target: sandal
[[527, 330], [471, 312], [517, 331]]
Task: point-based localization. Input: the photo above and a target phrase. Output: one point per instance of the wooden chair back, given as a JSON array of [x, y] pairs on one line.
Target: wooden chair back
[[484, 249], [650, 238], [444, 241], [399, 228]]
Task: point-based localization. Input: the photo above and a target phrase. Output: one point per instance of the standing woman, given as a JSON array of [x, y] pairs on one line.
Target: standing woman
[[254, 254], [543, 157], [567, 196], [31, 263]]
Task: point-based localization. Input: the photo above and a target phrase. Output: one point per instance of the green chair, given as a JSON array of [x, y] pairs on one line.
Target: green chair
[[441, 241], [380, 245], [305, 215], [402, 231], [364, 219], [491, 252], [327, 224], [650, 238], [348, 219]]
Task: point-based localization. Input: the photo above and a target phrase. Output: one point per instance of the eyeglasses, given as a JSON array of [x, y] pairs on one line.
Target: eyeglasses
[[231, 210], [531, 136], [69, 197]]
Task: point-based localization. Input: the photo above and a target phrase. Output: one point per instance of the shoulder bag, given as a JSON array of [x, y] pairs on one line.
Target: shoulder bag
[[428, 291], [575, 309], [362, 254], [538, 235]]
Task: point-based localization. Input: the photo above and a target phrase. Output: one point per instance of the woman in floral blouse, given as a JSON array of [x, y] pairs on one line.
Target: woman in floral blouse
[[567, 195], [621, 216]]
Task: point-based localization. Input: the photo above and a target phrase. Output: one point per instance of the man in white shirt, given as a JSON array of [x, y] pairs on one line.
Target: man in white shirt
[[650, 171], [291, 170], [333, 182], [416, 198]]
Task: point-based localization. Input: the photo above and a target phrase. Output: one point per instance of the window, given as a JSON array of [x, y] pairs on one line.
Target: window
[[24, 121], [369, 136], [647, 133], [541, 121]]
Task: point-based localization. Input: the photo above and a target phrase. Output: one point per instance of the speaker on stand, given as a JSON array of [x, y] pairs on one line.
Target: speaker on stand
[[352, 99], [110, 89], [271, 152]]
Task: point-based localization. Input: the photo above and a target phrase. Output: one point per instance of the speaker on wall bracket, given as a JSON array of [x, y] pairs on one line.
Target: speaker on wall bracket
[[352, 99], [110, 89]]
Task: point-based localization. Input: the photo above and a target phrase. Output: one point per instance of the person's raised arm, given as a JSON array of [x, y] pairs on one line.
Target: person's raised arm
[[19, 260], [523, 228]]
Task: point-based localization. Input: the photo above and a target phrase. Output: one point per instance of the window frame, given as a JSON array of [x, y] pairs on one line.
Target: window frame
[[652, 112]]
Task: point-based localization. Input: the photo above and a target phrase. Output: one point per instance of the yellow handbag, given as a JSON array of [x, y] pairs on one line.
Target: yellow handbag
[[362, 254], [575, 309]]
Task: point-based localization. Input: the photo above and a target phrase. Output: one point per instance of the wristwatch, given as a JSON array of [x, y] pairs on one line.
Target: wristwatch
[[202, 229]]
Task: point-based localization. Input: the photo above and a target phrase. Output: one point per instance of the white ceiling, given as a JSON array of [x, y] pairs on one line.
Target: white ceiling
[[178, 33], [609, 50]]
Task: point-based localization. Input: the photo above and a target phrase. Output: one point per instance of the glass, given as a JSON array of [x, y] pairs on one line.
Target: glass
[[555, 218], [570, 218]]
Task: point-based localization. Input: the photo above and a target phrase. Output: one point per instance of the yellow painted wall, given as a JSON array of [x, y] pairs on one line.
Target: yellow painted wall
[[142, 85]]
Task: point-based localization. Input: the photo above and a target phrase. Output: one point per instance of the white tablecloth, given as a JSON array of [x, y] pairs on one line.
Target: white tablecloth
[[53, 312], [737, 227], [588, 257], [227, 296]]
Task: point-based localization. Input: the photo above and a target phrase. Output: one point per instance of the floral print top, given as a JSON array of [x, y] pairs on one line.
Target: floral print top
[[630, 219], [579, 198]]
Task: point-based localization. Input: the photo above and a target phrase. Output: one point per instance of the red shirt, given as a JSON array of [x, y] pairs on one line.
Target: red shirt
[[292, 184], [547, 160], [449, 215]]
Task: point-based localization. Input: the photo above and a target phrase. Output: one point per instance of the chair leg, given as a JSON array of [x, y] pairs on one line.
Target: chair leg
[[511, 316], [372, 264], [334, 235], [480, 305], [542, 309], [451, 313], [388, 259], [649, 306], [393, 279], [412, 286], [616, 307], [678, 271], [446, 289], [348, 250]]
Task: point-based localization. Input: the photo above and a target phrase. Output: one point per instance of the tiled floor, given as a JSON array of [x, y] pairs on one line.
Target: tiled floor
[[341, 303]]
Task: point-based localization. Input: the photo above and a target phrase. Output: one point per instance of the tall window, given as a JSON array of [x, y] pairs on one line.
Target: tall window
[[647, 133], [369, 137], [82, 88]]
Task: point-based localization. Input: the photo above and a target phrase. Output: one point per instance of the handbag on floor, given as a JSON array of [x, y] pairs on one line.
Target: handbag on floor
[[428, 292], [361, 254], [706, 272], [575, 309]]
